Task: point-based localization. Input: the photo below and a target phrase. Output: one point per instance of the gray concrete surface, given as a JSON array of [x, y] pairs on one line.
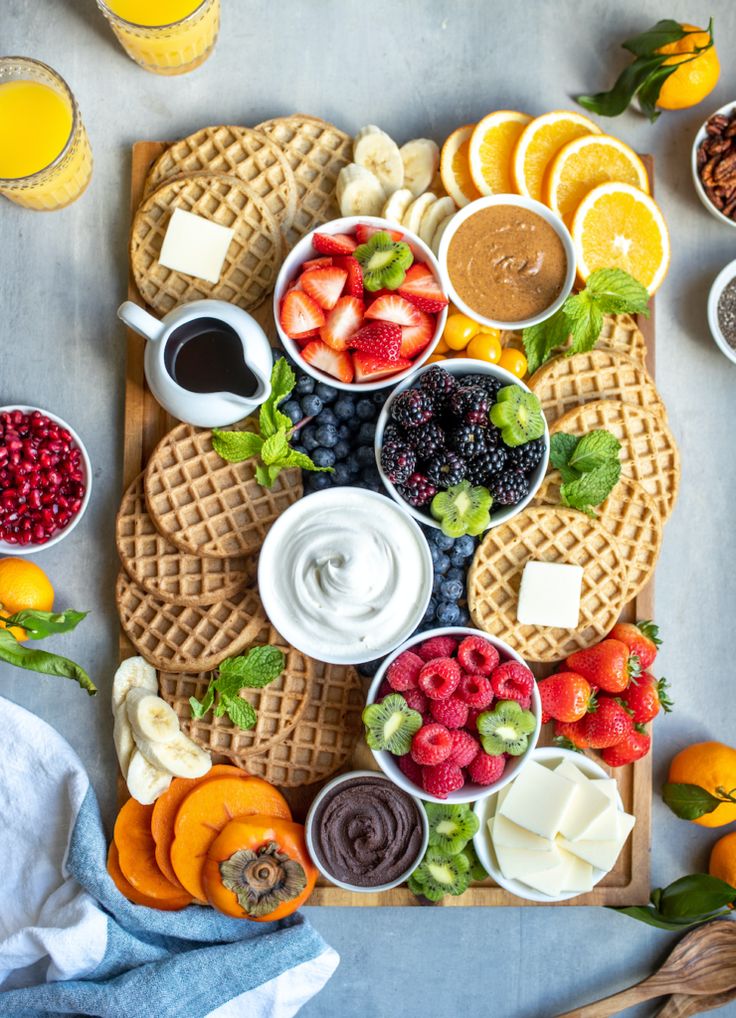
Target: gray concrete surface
[[416, 67]]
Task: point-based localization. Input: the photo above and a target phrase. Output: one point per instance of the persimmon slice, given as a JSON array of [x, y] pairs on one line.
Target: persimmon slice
[[129, 892], [137, 854]]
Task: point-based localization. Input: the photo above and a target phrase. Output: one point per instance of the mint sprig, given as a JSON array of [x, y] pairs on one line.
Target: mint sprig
[[589, 466], [580, 319], [271, 443], [254, 670]]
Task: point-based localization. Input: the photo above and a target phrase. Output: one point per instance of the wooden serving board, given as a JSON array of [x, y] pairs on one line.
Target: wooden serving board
[[146, 423]]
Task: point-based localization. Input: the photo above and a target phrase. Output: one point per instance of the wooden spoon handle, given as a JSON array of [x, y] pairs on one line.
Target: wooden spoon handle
[[620, 1001]]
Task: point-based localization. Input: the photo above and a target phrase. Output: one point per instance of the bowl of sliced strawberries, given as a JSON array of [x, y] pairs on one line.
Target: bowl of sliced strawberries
[[359, 304]]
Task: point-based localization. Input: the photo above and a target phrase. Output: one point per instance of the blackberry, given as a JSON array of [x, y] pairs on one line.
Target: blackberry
[[446, 469], [398, 461], [469, 441], [417, 491], [487, 382], [526, 457], [470, 404], [428, 440], [412, 408], [439, 383], [483, 468], [509, 487], [393, 433]]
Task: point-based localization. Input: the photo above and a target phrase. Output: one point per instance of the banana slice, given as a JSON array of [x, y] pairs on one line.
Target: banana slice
[[359, 192], [413, 216], [379, 153], [180, 756], [435, 245], [397, 205], [151, 717], [133, 673], [122, 736], [434, 215], [145, 782], [421, 159]]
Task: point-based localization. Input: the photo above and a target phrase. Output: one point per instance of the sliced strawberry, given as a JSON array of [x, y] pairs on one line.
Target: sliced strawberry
[[393, 308], [369, 368], [363, 233], [332, 362], [415, 337], [422, 289], [300, 313], [342, 323], [354, 284], [382, 339], [333, 243], [317, 263], [305, 337], [325, 285]]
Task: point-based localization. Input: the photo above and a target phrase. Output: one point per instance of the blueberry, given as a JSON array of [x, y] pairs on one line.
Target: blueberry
[[327, 416], [344, 408], [354, 424], [455, 573], [311, 405], [441, 541], [465, 546], [365, 409], [317, 482], [343, 431], [379, 397], [353, 466], [429, 615], [309, 439], [304, 386], [326, 435], [437, 583], [447, 613], [342, 474], [463, 618], [451, 590], [365, 456], [372, 478], [342, 449], [366, 433], [323, 457], [301, 449], [457, 559], [325, 392], [440, 561], [293, 410]]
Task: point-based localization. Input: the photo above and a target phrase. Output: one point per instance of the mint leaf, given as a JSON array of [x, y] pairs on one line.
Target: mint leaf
[[267, 475], [200, 708], [239, 711], [274, 449], [586, 321], [235, 446], [561, 448], [299, 459], [256, 669], [540, 340], [592, 488], [271, 420], [283, 381], [616, 292], [594, 449]]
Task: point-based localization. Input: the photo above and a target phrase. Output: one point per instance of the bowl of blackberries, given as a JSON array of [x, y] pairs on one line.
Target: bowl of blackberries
[[463, 446]]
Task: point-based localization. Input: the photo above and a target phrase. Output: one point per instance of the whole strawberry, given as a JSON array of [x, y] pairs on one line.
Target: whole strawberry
[[608, 665], [607, 726], [570, 735], [645, 698], [633, 747], [565, 696], [642, 639]]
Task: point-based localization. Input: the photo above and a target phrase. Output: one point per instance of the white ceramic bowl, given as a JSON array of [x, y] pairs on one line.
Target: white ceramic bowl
[[550, 756], [309, 825], [532, 206], [271, 563], [727, 273], [31, 549], [726, 110], [469, 792], [459, 366], [303, 251]]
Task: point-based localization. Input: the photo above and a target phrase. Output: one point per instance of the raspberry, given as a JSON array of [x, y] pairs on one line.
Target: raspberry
[[512, 681], [478, 655], [439, 678], [485, 769], [403, 673], [473, 715], [410, 768], [452, 712], [464, 748], [437, 646], [431, 745], [416, 699], [476, 691], [442, 779]]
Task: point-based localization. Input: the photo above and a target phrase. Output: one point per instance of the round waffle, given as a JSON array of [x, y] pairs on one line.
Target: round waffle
[[566, 382], [165, 571], [187, 638], [253, 257], [316, 151], [279, 706], [649, 453], [622, 334], [207, 506], [547, 535], [631, 515], [237, 151]]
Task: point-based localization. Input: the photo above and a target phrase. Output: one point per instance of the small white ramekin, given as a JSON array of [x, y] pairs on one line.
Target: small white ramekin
[[702, 134], [724, 277]]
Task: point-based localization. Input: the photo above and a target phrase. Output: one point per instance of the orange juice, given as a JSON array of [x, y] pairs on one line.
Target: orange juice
[[168, 36]]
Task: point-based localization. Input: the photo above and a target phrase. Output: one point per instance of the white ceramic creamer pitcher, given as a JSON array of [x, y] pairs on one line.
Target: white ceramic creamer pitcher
[[207, 362]]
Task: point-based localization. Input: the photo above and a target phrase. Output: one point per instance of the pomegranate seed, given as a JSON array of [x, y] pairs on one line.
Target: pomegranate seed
[[16, 417], [34, 499]]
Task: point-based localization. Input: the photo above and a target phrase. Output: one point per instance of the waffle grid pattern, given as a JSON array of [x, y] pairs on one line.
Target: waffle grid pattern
[[622, 334]]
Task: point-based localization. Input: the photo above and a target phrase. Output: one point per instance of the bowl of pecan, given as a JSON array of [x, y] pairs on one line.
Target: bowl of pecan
[[714, 164]]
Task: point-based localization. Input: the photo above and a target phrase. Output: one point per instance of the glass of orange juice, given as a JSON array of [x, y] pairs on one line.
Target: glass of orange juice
[[168, 36], [45, 158]]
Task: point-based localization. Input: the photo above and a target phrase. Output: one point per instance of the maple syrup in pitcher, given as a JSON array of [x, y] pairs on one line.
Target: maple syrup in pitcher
[[206, 355]]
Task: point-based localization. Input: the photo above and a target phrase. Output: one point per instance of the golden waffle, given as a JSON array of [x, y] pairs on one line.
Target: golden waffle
[[187, 638], [278, 706], [547, 535], [164, 571], [207, 506], [649, 453], [316, 151], [253, 258], [237, 151], [622, 334], [567, 382], [631, 515]]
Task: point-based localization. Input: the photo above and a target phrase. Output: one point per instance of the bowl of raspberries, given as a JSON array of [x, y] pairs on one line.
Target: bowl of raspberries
[[452, 715], [463, 446]]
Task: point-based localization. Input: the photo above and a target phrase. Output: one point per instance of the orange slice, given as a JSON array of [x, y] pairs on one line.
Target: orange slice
[[618, 226], [539, 143], [455, 167], [491, 146], [585, 163]]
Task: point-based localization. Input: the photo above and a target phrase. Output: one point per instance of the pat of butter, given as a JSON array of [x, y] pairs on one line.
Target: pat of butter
[[587, 806], [516, 862], [538, 800], [195, 246], [510, 835], [550, 595]]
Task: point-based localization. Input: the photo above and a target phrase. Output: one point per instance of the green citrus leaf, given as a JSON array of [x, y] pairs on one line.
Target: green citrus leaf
[[689, 802], [695, 895]]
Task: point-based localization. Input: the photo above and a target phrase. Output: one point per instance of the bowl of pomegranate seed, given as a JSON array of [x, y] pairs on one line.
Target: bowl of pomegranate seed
[[359, 303], [45, 479], [452, 715]]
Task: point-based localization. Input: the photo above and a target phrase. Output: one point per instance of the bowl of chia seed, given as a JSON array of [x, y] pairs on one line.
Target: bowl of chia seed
[[722, 310]]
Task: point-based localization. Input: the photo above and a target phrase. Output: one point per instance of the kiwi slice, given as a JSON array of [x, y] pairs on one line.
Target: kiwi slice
[[462, 509], [384, 261], [451, 826], [438, 875], [391, 724], [477, 871], [506, 728], [518, 414]]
